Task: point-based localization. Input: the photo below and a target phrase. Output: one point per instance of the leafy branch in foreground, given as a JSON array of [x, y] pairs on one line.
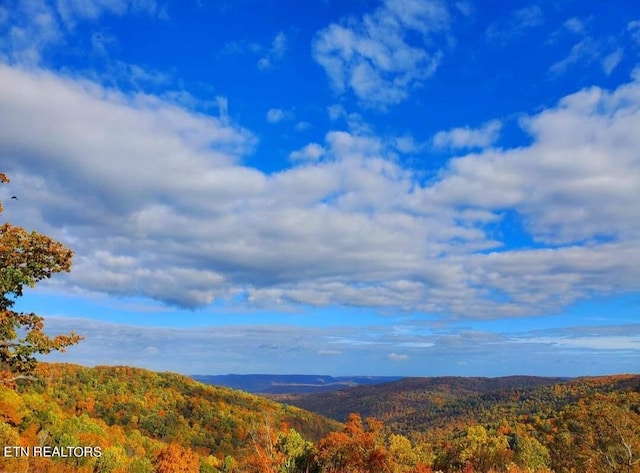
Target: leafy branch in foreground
[[25, 259]]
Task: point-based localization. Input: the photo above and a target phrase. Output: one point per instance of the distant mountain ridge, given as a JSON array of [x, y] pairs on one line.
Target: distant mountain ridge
[[414, 404], [428, 394], [291, 383]]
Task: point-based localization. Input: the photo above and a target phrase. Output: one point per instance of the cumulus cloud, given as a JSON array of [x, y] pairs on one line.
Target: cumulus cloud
[[374, 56], [157, 203], [565, 195], [467, 137]]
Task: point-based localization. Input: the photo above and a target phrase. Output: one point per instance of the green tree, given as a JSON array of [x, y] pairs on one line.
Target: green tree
[[403, 458], [25, 259], [485, 450], [600, 434], [615, 419], [298, 452], [140, 465], [529, 452], [110, 460], [9, 437]]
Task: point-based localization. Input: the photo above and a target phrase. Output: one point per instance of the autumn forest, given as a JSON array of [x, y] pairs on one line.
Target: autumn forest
[[146, 422]]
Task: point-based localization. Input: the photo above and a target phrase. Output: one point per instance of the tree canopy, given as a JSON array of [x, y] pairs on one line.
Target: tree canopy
[[25, 259]]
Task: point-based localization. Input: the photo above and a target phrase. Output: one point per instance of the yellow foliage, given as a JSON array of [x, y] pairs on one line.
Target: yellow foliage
[[12, 408]]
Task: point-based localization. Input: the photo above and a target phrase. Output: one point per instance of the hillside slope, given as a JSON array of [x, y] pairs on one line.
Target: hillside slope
[[134, 413], [421, 404], [145, 422]]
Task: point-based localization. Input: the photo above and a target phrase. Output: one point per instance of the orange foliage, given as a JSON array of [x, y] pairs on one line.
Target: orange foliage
[[176, 459], [11, 407], [355, 449], [264, 456]]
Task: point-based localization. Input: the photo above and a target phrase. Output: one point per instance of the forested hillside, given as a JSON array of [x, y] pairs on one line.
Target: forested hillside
[[511, 424], [133, 415], [418, 404], [137, 421]]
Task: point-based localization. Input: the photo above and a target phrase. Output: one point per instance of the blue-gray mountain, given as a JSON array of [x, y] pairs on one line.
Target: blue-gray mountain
[[290, 383]]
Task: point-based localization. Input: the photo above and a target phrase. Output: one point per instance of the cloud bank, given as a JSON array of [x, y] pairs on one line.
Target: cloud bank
[[380, 350], [156, 201]]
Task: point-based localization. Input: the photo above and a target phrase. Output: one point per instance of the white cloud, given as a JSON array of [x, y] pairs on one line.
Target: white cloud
[[275, 53], [575, 25], [335, 112], [34, 26], [586, 49], [578, 180], [611, 61], [329, 352], [590, 49], [407, 144], [39, 24], [302, 126], [466, 8], [589, 343], [529, 16], [276, 115], [279, 45], [417, 344], [516, 23], [467, 137], [242, 349], [156, 203], [310, 152], [71, 11], [374, 57], [398, 357], [634, 28], [241, 47]]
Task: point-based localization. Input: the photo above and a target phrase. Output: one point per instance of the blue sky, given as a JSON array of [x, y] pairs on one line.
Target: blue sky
[[399, 187]]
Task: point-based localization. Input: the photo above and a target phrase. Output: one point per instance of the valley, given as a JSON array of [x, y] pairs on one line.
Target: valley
[[139, 421]]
